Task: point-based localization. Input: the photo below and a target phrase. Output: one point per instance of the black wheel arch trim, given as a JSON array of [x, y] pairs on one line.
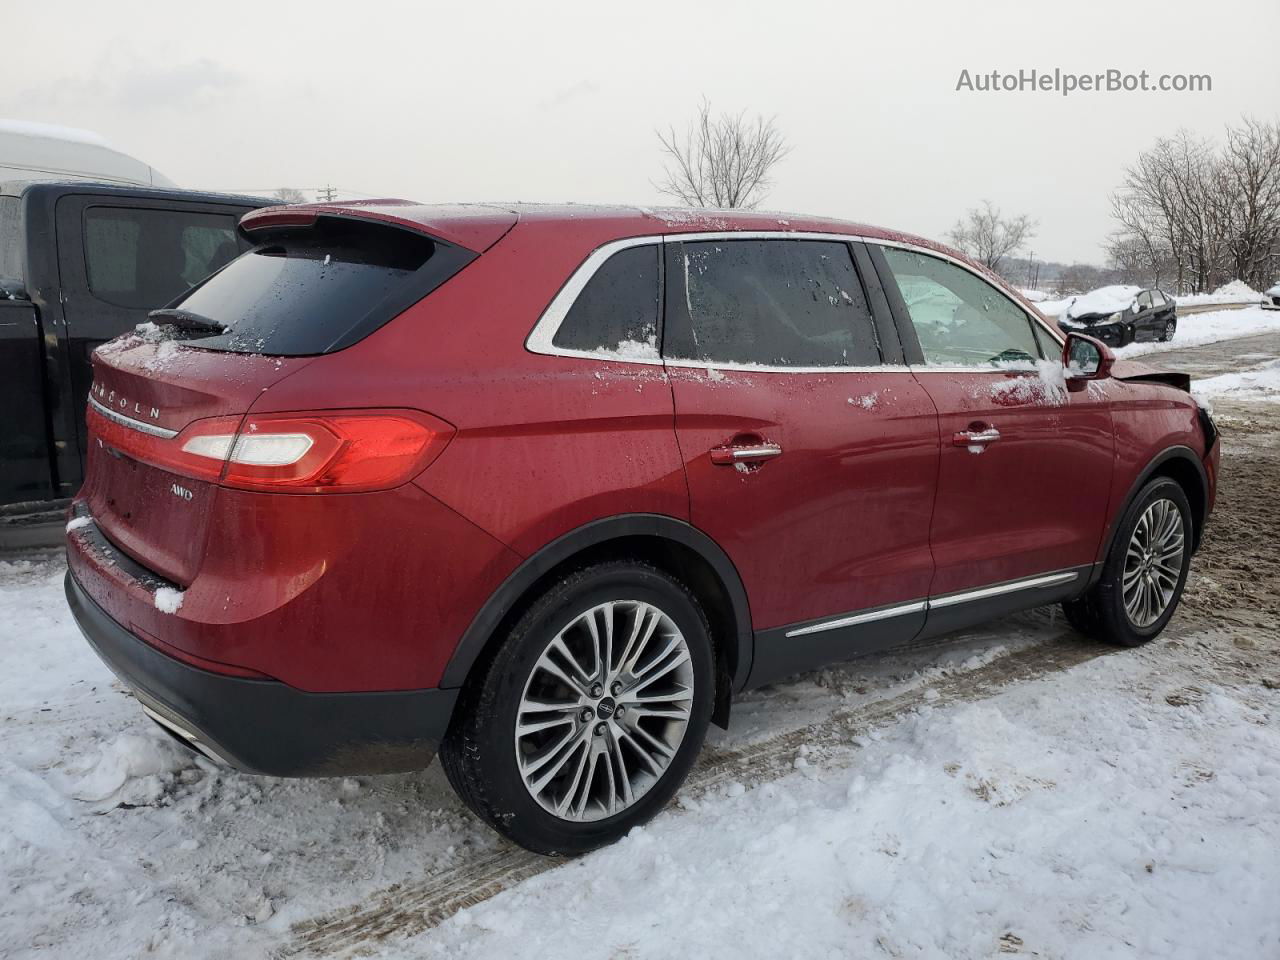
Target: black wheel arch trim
[[592, 534], [1166, 455]]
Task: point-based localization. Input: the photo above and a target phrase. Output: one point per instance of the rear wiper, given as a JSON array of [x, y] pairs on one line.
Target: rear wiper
[[187, 321]]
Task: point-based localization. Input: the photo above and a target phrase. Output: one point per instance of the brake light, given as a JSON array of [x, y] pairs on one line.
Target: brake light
[[328, 451]]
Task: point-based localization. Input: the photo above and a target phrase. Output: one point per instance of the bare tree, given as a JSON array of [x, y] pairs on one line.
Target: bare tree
[[290, 195], [722, 161], [987, 236], [1211, 215]]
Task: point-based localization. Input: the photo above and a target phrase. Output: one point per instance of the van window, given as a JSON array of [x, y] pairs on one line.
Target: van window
[[777, 303], [11, 240], [617, 311], [142, 259]]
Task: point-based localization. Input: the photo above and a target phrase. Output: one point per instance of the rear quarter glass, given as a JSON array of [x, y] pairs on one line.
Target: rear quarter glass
[[317, 288]]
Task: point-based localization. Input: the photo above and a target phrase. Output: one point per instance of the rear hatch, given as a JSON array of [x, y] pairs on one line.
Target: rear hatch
[[168, 401], [145, 393]]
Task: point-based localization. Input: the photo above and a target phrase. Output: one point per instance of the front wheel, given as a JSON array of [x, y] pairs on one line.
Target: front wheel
[[1144, 574], [590, 714]]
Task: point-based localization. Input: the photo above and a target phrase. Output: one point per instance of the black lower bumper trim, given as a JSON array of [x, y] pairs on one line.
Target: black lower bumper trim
[[264, 726]]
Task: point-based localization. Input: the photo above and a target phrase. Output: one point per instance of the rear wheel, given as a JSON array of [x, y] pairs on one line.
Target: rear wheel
[[1170, 328], [588, 717], [1145, 572]]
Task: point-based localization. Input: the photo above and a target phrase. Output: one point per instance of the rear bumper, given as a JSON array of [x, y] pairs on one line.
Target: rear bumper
[[264, 726]]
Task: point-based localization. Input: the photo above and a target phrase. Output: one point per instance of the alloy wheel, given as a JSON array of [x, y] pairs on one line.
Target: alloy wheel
[[1153, 563], [604, 710]]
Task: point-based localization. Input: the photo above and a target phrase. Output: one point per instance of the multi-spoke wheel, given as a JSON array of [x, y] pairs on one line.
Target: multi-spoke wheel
[[1170, 328], [1144, 573], [604, 710], [590, 713], [1153, 563]]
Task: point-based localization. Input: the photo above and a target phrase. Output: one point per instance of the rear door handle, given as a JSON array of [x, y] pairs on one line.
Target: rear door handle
[[727, 454], [976, 438]]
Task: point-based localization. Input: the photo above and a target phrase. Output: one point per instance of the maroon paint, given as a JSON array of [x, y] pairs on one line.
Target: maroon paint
[[372, 591]]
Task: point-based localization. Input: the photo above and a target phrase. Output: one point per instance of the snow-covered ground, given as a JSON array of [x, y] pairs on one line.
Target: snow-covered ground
[[1089, 814], [1196, 329], [1259, 384]]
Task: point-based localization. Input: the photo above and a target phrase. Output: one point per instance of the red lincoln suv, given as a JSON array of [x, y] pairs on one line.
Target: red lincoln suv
[[542, 488]]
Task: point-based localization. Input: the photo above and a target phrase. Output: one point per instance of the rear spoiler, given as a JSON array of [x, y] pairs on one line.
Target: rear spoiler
[[474, 227]]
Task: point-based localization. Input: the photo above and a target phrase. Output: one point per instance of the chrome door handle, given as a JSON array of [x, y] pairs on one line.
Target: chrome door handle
[[976, 438], [753, 453]]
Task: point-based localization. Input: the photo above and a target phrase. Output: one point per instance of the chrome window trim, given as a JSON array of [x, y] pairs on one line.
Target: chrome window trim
[[133, 424], [946, 600], [540, 338], [708, 366], [544, 331]]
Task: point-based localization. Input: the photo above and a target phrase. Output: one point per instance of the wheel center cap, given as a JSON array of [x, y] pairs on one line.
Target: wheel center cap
[[605, 708]]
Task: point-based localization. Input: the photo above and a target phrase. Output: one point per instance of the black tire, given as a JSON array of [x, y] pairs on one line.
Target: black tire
[[479, 751], [1100, 613], [1170, 328]]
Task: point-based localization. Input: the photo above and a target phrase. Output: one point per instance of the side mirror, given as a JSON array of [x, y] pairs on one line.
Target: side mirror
[[1086, 358]]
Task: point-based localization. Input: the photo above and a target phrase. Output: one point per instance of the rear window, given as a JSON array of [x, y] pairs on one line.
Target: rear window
[[316, 289], [140, 258]]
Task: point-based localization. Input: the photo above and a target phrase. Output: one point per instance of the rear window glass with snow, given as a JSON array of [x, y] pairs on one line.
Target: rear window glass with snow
[[616, 314], [141, 258], [314, 289], [778, 303], [960, 319]]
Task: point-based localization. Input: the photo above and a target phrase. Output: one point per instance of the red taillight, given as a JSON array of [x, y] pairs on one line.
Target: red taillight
[[330, 451]]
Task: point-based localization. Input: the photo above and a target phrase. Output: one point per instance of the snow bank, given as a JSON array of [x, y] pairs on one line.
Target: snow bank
[[1262, 384], [1104, 300], [132, 768], [1199, 328], [1237, 291]]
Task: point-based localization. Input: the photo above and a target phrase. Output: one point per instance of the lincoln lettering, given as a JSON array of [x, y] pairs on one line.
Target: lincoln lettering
[[111, 399]]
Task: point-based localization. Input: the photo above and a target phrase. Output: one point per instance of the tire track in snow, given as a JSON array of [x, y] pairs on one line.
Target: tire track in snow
[[406, 910]]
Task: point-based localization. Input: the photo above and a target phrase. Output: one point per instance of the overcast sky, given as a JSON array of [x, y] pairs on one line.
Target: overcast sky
[[559, 100]]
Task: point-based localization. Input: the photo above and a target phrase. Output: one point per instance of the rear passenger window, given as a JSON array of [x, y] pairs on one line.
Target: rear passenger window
[[959, 318], [777, 303], [145, 258], [617, 311]]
